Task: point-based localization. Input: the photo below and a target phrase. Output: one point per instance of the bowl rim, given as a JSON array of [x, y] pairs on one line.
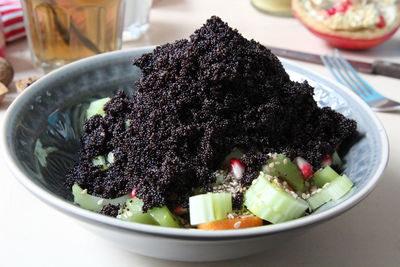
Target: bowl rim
[[180, 233]]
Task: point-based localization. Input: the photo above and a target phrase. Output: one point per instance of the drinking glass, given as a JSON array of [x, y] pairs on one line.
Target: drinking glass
[[137, 13], [61, 31]]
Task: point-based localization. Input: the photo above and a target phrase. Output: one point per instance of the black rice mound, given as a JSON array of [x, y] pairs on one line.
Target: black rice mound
[[197, 100]]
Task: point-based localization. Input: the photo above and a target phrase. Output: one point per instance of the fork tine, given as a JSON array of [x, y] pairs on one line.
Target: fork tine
[[350, 75], [327, 62], [343, 77], [372, 93]]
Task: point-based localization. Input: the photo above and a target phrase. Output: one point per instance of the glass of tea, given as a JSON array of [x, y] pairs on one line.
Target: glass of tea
[[61, 31]]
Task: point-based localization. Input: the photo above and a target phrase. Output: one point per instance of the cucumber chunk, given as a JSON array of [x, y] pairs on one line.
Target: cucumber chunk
[[163, 217], [324, 175], [133, 212], [97, 107], [281, 166], [332, 191], [110, 158], [209, 207], [222, 203], [336, 160], [101, 162], [93, 203], [271, 203]]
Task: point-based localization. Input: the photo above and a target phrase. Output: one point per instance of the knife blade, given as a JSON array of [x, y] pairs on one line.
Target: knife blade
[[379, 67]]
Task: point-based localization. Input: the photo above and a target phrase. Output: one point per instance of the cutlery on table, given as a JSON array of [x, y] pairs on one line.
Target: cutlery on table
[[376, 67], [344, 73]]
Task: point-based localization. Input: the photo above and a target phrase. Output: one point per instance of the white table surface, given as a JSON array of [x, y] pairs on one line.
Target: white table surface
[[33, 234]]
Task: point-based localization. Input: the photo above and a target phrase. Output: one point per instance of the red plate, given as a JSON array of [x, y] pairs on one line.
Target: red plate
[[348, 43]]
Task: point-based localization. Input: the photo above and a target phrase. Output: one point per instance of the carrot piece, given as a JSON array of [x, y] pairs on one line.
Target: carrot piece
[[227, 224]]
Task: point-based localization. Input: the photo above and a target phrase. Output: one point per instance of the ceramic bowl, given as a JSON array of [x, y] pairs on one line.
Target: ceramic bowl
[[40, 141]]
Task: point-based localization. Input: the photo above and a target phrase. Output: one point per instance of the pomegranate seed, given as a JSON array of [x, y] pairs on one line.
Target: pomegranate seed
[[331, 11], [133, 192], [345, 6], [340, 7], [305, 168], [236, 168], [382, 23], [180, 210], [327, 161]]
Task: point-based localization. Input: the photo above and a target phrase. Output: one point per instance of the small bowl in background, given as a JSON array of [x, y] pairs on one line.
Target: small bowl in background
[[357, 40]]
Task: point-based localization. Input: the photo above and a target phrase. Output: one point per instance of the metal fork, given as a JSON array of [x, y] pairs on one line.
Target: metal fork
[[348, 76]]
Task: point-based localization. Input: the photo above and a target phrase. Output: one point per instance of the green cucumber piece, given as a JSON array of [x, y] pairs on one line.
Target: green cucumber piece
[[97, 107], [209, 207], [133, 212], [271, 203], [93, 203], [100, 161], [222, 203], [336, 160], [164, 217], [128, 123], [110, 158], [324, 175], [336, 189], [281, 166]]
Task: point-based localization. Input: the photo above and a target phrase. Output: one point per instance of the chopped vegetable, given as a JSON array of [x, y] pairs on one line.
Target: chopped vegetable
[[209, 207], [228, 224], [93, 203], [324, 175], [271, 203], [332, 191], [97, 107], [281, 166]]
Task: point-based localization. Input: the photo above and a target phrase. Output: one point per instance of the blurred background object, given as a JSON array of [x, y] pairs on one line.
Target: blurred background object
[[137, 13], [350, 24], [274, 7], [2, 40], [13, 20], [61, 31]]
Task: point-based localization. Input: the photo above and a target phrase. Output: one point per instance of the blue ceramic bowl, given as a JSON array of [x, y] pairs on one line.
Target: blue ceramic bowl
[[40, 140]]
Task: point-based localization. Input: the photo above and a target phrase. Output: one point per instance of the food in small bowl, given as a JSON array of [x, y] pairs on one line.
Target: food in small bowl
[[209, 118], [350, 24]]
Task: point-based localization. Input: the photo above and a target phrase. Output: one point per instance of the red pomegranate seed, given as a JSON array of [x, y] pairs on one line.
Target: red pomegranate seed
[[305, 168], [133, 192], [382, 23], [331, 11], [180, 210], [237, 168], [327, 161]]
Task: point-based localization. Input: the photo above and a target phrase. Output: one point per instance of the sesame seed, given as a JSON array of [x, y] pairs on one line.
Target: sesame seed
[[100, 202], [325, 185], [230, 216], [254, 181], [237, 225], [129, 214], [285, 161], [271, 165], [84, 192]]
